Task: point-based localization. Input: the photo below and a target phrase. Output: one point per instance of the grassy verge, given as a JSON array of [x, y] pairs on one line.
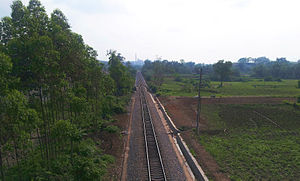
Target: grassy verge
[[187, 86], [254, 142]]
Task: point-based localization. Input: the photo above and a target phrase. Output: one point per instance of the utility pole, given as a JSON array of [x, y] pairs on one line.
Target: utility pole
[[199, 101]]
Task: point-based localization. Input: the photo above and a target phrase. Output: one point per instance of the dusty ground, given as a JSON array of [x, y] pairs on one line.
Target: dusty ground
[[182, 110], [113, 144]]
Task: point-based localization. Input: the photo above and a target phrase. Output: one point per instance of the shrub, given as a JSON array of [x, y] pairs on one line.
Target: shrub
[[298, 83], [268, 78], [296, 105], [177, 77], [205, 83], [88, 163], [298, 100], [187, 88], [240, 79], [287, 102], [112, 129], [118, 108], [153, 88]]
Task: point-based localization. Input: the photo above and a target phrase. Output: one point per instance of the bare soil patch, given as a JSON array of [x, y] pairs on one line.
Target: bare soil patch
[[113, 144], [229, 100], [183, 109]]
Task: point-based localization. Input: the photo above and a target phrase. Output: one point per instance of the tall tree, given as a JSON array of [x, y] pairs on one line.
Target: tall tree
[[223, 70], [119, 73]]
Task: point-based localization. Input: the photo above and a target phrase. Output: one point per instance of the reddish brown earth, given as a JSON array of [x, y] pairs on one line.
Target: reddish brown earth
[[113, 144], [182, 110], [116, 146], [232, 100]]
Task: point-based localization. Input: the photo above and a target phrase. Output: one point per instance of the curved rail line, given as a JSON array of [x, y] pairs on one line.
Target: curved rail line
[[154, 161]]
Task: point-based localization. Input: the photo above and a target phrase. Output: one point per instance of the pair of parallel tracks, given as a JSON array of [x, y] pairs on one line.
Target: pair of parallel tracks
[[155, 166]]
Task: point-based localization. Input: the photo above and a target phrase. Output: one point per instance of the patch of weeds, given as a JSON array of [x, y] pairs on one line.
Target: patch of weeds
[[183, 128], [112, 129], [193, 152]]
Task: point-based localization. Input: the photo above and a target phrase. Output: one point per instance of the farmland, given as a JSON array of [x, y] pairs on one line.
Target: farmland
[[254, 141], [247, 141], [187, 86]]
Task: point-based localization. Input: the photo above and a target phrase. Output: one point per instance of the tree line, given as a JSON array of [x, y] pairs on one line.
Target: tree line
[[54, 94], [261, 67]]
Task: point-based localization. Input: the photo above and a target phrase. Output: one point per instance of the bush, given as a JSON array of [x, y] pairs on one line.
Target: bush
[[88, 162], [153, 88], [268, 78], [118, 108], [112, 129], [178, 79], [205, 83], [299, 84], [296, 105], [287, 102], [240, 79], [187, 88]]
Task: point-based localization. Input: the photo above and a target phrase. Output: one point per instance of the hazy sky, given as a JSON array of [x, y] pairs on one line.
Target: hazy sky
[[193, 30]]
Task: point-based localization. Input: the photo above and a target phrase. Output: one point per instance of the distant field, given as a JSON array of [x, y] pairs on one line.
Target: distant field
[[254, 142], [253, 87]]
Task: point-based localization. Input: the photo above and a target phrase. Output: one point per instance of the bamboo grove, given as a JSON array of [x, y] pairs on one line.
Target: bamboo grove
[[54, 95]]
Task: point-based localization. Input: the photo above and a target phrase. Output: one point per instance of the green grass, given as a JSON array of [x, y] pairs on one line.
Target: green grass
[[254, 87], [247, 146]]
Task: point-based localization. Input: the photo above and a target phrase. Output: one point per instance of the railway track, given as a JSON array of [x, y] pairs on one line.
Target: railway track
[[155, 168]]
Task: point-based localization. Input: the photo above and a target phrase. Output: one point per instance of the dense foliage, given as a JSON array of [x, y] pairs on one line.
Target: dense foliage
[[53, 94], [221, 71]]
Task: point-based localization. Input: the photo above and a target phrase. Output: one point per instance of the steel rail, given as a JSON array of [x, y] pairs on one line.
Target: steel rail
[[145, 138], [154, 160]]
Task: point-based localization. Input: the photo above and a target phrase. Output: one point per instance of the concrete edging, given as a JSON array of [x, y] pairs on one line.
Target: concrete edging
[[167, 117]]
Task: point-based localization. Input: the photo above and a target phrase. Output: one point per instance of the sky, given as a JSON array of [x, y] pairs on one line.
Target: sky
[[203, 31]]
